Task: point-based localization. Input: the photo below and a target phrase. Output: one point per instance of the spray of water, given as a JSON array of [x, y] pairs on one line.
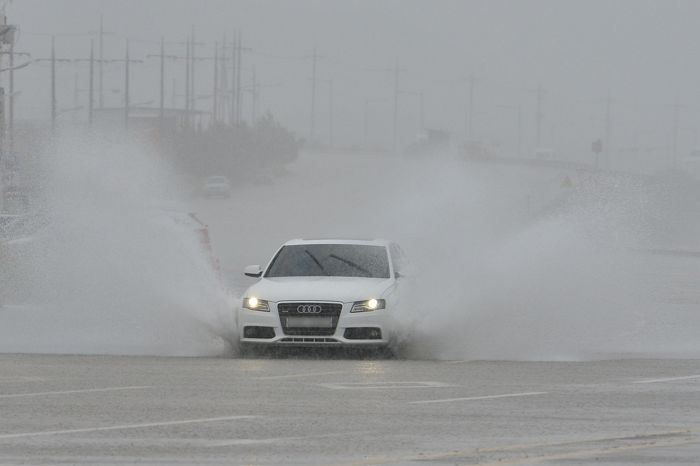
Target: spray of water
[[509, 262], [115, 268], [520, 263]]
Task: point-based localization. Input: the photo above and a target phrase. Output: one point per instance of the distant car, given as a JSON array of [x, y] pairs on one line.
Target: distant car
[[217, 186], [324, 292]]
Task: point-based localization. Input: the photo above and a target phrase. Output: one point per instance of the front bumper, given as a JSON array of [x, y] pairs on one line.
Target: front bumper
[[360, 329]]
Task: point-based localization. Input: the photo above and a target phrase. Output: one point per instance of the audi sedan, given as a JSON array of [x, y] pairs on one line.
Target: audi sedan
[[323, 292]]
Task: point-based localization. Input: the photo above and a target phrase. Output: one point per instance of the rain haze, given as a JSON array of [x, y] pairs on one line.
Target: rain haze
[[479, 211]]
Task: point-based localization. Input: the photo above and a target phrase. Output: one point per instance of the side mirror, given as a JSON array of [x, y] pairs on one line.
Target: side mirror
[[398, 275], [254, 271]]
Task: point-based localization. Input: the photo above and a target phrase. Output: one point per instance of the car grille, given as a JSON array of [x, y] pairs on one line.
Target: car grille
[[326, 314], [308, 340]]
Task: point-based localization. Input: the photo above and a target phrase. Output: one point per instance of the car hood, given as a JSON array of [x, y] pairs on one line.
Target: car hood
[[343, 289]]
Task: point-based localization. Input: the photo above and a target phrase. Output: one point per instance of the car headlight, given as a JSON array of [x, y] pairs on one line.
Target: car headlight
[[368, 305], [256, 304]]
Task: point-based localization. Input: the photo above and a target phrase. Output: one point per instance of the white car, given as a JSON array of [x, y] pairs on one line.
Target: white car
[[324, 292]]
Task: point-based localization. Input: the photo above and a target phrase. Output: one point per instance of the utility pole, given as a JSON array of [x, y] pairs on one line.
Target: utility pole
[[126, 87], [238, 80], [53, 82], [539, 116], [75, 93], [225, 101], [520, 130], [396, 107], [330, 113], [11, 109], [215, 93], [314, 59], [9, 37], [364, 124], [91, 85], [193, 93], [100, 61], [421, 110], [254, 94], [239, 50], [161, 110], [187, 82], [232, 109], [101, 71]]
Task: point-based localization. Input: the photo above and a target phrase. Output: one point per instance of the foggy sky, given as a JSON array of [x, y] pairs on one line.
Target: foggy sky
[[643, 53]]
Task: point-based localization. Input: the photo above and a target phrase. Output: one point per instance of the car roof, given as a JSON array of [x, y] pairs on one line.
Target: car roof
[[366, 242]]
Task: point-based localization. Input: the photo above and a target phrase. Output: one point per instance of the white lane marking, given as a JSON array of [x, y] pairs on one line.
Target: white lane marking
[[474, 398], [250, 441], [382, 385], [456, 361], [292, 376], [20, 378], [241, 441], [70, 392], [668, 379], [124, 427]]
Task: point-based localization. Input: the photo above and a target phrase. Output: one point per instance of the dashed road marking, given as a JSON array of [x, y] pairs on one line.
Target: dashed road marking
[[669, 379], [278, 440], [123, 427], [383, 385], [20, 378], [294, 376], [475, 398], [71, 392]]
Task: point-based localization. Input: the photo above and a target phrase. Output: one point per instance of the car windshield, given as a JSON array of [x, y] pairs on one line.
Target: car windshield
[[332, 260]]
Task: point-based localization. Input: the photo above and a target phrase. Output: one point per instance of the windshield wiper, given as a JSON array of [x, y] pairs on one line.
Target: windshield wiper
[[316, 261], [352, 264]]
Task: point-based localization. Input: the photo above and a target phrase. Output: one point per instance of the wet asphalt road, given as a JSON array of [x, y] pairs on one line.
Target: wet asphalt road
[[145, 410]]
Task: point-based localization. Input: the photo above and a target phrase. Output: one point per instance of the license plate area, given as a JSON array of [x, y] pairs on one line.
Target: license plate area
[[310, 322]]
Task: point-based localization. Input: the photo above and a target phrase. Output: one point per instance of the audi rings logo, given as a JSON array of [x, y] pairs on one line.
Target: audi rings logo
[[309, 309]]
